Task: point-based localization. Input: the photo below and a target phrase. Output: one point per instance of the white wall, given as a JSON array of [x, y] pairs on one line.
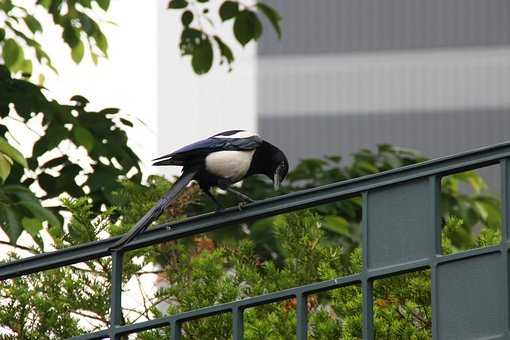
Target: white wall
[[126, 80], [192, 107]]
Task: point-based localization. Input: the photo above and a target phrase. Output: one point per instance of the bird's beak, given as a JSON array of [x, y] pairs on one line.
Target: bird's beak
[[276, 180]]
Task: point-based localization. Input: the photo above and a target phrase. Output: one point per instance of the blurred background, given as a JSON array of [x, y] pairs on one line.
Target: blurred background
[[430, 75]]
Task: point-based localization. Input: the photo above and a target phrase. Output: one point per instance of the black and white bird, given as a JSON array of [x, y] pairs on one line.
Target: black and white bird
[[218, 161]]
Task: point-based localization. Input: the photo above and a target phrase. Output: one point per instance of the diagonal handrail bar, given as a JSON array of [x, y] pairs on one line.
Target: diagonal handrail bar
[[269, 207]]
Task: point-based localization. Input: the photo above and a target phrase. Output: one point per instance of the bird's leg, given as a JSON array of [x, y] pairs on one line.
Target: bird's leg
[[218, 205], [242, 196]]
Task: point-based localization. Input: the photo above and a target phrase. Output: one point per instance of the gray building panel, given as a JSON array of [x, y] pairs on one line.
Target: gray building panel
[[343, 26], [433, 133]]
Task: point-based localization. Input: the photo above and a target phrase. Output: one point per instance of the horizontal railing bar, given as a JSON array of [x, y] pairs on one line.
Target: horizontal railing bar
[[398, 269], [230, 306], [267, 298], [466, 254], [93, 336], [143, 326], [269, 207], [420, 264], [126, 329]]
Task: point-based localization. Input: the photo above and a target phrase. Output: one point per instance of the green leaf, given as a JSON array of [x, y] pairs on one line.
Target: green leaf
[[87, 24], [225, 51], [392, 159], [86, 3], [366, 167], [10, 223], [40, 148], [202, 57], [77, 52], [101, 42], [83, 137], [5, 167], [32, 23], [109, 111], [27, 68], [13, 154], [32, 225], [126, 122], [481, 210], [190, 38], [337, 224], [71, 35], [50, 184], [177, 4], [56, 133], [55, 162], [39, 212], [273, 16], [228, 10], [80, 100], [477, 183], [94, 57], [21, 192], [247, 26], [2, 34], [187, 18], [104, 4], [45, 3], [11, 53]]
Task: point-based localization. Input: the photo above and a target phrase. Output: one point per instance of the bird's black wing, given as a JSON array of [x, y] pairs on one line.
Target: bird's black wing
[[204, 147]]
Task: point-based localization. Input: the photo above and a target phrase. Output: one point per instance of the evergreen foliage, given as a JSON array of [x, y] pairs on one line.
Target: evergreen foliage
[[224, 266]]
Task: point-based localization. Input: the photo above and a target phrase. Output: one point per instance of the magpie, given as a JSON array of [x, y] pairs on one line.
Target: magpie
[[218, 161]]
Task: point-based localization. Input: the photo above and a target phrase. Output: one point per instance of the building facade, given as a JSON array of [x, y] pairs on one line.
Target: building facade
[[349, 74]]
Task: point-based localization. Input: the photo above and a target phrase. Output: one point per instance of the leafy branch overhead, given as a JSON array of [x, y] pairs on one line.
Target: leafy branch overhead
[[20, 209], [81, 31], [20, 33], [100, 136], [199, 38]]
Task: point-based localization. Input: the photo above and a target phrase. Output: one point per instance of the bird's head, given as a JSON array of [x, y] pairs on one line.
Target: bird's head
[[275, 164]]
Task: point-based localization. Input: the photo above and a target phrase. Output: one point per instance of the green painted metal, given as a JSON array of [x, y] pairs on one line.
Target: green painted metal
[[401, 233]]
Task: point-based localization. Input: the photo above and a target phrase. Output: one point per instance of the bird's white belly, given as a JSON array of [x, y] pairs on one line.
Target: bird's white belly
[[229, 165]]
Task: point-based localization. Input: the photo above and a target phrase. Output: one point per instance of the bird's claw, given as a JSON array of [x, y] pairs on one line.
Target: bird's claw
[[241, 205]]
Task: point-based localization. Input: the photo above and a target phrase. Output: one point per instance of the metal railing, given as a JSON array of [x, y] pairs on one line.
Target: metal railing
[[401, 233]]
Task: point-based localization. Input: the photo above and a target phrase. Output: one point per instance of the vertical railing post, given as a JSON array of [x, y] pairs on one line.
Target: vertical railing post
[[505, 233], [505, 197], [238, 323], [116, 293], [366, 284], [368, 308], [435, 219], [175, 330], [302, 316]]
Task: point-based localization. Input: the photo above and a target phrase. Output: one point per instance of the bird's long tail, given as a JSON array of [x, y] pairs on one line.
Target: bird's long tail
[[158, 209]]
